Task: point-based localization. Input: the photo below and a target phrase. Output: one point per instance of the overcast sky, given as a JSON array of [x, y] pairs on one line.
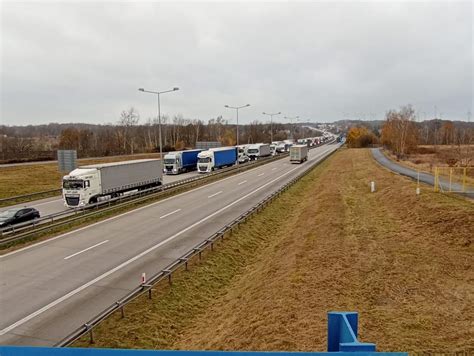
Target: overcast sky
[[322, 61]]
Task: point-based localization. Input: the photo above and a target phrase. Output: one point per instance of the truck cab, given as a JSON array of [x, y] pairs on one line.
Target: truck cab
[[205, 162], [172, 163], [81, 187]]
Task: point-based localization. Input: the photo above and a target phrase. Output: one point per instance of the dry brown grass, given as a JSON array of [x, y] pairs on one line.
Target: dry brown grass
[[429, 156], [30, 179], [403, 261]]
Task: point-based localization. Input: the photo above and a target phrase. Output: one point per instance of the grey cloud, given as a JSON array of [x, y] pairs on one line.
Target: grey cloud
[[71, 62]]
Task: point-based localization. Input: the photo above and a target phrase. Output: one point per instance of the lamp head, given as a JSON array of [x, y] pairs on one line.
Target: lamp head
[[226, 106], [175, 88], [141, 89]]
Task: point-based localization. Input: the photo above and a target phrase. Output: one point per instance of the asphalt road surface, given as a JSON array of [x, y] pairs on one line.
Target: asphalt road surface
[[50, 288], [411, 173]]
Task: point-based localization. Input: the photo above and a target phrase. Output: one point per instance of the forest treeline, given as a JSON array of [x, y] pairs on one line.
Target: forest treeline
[[402, 134], [128, 136]]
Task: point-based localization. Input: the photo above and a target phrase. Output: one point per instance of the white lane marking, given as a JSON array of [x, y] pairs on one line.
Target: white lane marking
[[261, 174], [86, 249], [133, 259], [127, 213], [164, 216], [213, 195], [243, 182], [274, 168], [146, 206]]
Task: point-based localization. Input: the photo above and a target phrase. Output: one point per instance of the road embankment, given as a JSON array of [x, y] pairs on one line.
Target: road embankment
[[401, 260]]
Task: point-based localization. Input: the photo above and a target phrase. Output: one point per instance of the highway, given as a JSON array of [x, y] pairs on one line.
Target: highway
[[55, 204], [50, 288]]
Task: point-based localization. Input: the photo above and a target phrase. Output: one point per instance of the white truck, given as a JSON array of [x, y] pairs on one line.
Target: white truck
[[258, 150], [298, 153], [86, 184]]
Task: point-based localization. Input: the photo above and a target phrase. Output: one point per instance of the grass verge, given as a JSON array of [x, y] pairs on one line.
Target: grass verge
[[29, 179], [401, 260]]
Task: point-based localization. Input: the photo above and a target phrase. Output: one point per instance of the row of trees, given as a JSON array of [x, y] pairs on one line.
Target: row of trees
[[401, 134], [129, 136]]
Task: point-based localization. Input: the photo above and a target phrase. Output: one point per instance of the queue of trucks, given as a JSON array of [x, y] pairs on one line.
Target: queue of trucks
[[89, 184]]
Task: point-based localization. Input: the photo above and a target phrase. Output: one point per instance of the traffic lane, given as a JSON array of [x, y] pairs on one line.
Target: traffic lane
[[52, 277], [115, 286], [215, 185], [42, 272], [38, 273]]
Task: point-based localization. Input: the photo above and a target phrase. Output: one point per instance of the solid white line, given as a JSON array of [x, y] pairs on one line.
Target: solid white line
[[274, 168], [213, 195], [133, 259], [244, 181], [86, 249], [164, 216], [261, 174]]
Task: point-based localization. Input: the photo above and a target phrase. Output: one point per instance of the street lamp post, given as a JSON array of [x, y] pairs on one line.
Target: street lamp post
[[291, 123], [237, 109], [159, 112], [271, 123]]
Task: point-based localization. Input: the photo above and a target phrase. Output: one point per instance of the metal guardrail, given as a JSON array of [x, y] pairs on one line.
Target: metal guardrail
[[167, 272], [25, 196], [14, 232]]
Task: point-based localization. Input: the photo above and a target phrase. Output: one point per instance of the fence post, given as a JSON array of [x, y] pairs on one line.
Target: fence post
[[450, 178], [91, 336], [464, 179], [436, 178]]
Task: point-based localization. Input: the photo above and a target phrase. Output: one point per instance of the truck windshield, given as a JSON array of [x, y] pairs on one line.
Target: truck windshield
[[169, 160], [73, 184], [253, 150], [204, 160]]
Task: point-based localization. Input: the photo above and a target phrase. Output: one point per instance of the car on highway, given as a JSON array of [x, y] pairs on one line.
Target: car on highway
[[17, 215]]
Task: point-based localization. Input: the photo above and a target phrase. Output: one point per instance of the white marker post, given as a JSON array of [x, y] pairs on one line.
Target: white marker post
[[143, 278], [418, 184], [372, 187]]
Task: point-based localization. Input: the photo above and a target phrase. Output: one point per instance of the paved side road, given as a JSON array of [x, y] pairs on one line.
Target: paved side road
[[411, 173]]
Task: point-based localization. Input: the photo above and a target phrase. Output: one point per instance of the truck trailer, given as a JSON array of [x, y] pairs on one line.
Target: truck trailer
[[298, 153], [180, 161], [86, 184], [258, 150], [217, 158]]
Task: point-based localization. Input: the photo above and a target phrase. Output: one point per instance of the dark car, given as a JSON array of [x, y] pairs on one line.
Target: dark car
[[17, 215]]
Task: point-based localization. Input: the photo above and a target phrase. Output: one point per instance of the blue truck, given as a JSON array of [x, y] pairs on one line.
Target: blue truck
[[217, 158], [180, 161]]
